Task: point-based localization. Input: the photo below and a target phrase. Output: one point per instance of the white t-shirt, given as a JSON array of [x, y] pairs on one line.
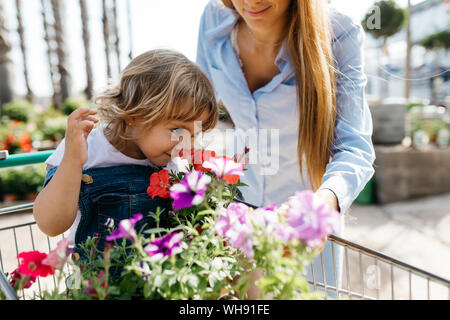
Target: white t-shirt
[[101, 153]]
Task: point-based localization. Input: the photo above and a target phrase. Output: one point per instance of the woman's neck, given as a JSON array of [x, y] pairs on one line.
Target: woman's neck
[[265, 38]]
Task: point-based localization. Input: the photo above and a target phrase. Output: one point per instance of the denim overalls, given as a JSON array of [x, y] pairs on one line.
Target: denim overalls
[[116, 192]]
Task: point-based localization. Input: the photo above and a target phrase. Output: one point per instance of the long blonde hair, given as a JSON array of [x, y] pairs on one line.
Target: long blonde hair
[[157, 86], [309, 39]]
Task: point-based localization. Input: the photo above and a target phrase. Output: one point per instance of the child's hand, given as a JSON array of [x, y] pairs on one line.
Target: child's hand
[[79, 125]]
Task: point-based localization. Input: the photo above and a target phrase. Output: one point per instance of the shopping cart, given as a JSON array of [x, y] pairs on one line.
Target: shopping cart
[[366, 273]]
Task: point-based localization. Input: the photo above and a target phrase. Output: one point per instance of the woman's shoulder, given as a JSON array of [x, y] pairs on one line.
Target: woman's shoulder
[[343, 24], [215, 13]]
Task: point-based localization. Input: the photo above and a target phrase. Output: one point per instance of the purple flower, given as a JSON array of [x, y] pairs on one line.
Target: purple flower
[[126, 229], [166, 246], [144, 270], [271, 207], [190, 191], [233, 224], [309, 220]]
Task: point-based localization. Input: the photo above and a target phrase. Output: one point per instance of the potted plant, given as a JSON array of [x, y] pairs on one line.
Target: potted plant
[[18, 110], [12, 184], [34, 178], [50, 128], [209, 250], [15, 137]]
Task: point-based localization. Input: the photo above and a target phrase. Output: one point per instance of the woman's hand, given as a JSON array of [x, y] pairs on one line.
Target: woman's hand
[[331, 201], [329, 198], [79, 125]]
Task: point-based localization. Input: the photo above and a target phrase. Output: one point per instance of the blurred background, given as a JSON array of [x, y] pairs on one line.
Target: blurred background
[[55, 56]]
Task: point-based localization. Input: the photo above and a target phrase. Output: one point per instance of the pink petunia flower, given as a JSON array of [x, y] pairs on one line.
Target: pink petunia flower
[[58, 256], [310, 220], [233, 224], [225, 168]]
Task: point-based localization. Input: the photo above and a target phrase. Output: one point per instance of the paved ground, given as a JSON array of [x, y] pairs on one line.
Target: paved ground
[[416, 232]]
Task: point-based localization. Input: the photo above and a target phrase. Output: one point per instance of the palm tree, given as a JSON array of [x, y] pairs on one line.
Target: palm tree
[[130, 30], [20, 30], [5, 61], [57, 7], [87, 51], [51, 62], [116, 34], [106, 37]]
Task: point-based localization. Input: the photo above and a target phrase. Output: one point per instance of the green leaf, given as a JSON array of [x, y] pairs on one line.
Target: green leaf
[[205, 212], [267, 281], [155, 230]]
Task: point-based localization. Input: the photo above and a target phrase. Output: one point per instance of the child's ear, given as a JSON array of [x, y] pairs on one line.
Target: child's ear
[[130, 122]]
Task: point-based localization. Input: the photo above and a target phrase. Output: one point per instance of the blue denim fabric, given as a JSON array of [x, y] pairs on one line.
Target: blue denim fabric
[[116, 192]]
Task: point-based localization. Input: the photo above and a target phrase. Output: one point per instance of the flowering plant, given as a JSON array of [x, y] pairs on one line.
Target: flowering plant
[[213, 248]]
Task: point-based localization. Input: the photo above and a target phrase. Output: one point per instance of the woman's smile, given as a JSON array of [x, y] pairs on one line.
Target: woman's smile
[[257, 13]]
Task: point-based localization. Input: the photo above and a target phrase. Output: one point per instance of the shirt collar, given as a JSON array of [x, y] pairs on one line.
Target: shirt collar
[[224, 28]]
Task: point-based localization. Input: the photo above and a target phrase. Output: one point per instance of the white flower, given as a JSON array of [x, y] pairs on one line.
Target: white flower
[[177, 165]]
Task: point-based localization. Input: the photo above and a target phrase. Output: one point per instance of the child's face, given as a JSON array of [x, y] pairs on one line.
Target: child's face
[[163, 141]]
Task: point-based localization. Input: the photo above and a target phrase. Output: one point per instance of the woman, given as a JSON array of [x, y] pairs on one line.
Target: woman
[[296, 68]]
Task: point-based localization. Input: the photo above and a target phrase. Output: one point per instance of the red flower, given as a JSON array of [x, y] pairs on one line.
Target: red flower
[[197, 157], [31, 264], [159, 184], [6, 145], [91, 290], [23, 281], [25, 142], [231, 178]]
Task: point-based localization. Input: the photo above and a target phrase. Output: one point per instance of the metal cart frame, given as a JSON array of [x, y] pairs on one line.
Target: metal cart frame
[[355, 283], [367, 274]]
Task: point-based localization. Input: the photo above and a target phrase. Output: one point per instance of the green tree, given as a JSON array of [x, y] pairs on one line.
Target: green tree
[[87, 50], [5, 62], [437, 40], [434, 42], [391, 17], [389, 20], [23, 48]]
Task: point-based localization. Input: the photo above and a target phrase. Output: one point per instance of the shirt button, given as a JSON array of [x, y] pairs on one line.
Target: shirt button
[[87, 179]]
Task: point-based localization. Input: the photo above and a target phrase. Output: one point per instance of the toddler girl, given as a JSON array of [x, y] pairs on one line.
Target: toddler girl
[[99, 176]]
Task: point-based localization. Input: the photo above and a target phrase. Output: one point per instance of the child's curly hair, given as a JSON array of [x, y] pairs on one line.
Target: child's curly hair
[[157, 86]]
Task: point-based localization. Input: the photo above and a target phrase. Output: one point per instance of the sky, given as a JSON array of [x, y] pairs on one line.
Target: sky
[[171, 24]]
